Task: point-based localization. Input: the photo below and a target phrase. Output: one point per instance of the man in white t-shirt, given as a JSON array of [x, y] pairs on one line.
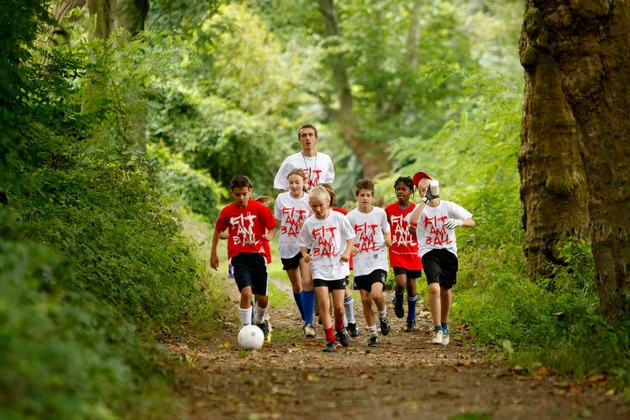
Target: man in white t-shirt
[[317, 166]]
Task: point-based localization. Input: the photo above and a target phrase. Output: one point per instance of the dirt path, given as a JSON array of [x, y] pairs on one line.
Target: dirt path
[[405, 377]]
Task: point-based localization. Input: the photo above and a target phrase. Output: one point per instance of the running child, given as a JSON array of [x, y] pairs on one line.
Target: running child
[[251, 226], [370, 257], [403, 254], [329, 237], [435, 222], [291, 209]]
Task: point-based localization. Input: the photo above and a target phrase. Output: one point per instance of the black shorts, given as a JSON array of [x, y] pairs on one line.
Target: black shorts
[[251, 270], [411, 274], [365, 282], [440, 266], [291, 263], [331, 284]]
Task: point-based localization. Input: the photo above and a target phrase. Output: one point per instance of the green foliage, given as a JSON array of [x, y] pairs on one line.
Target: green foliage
[[65, 354], [195, 190]]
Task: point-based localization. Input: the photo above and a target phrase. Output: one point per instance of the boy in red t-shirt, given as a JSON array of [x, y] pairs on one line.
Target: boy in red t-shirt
[[251, 225], [403, 254]]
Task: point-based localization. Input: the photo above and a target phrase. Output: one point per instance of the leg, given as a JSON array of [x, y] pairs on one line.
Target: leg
[[446, 297], [377, 296], [366, 301], [349, 319], [412, 299], [296, 283], [399, 295], [338, 305], [324, 306], [435, 305], [245, 308], [308, 294]]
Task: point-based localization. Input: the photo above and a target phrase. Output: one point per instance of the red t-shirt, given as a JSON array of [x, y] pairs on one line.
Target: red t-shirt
[[404, 250], [246, 227]]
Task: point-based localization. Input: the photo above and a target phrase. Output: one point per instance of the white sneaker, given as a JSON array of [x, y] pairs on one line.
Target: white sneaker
[[438, 337], [309, 331], [446, 338]]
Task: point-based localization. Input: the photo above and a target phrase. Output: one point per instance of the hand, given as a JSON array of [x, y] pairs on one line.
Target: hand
[[428, 196], [355, 250], [453, 223]]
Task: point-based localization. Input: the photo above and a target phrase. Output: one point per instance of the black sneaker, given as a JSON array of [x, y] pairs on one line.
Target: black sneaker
[[385, 326], [353, 330], [265, 330], [399, 309], [343, 337], [373, 341], [411, 326], [331, 346]]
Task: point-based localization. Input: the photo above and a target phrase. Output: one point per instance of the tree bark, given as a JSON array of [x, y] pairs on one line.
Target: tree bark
[[370, 157], [575, 155]]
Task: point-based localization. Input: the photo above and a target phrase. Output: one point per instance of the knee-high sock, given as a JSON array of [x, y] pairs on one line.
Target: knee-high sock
[[259, 317], [246, 316], [411, 314], [308, 305], [298, 302], [348, 305]]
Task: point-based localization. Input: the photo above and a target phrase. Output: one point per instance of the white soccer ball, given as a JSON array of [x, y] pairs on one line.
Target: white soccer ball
[[250, 337]]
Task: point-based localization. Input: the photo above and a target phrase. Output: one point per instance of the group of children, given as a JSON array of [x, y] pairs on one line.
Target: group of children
[[318, 243]]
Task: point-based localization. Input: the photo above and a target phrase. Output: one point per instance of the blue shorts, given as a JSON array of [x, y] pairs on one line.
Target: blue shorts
[[440, 266], [365, 282], [331, 284], [251, 270]]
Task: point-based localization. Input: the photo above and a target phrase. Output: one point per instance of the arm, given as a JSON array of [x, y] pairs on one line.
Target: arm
[[268, 236], [345, 257], [415, 217], [214, 258], [388, 238], [304, 251]]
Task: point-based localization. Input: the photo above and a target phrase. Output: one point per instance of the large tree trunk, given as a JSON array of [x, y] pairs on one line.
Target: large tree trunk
[[575, 155], [371, 158]]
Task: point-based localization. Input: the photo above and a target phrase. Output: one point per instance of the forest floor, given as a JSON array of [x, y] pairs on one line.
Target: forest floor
[[405, 377]]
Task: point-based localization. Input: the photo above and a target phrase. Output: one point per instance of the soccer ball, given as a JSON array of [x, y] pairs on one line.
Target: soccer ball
[[250, 337]]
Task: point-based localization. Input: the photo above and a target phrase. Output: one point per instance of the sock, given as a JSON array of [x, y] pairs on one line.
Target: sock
[[348, 305], [339, 324], [445, 327], [372, 330], [330, 335], [400, 297], [246, 316], [382, 314], [411, 314], [298, 302], [437, 328], [260, 314], [308, 305]]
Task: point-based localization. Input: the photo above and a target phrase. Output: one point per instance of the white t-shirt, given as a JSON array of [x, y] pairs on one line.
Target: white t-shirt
[[291, 212], [431, 232], [318, 170], [327, 241], [370, 239]]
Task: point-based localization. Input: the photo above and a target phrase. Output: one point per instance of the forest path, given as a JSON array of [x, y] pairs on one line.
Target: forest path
[[405, 377]]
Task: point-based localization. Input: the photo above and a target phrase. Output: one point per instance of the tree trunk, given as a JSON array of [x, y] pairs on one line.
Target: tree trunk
[[575, 155], [371, 158]]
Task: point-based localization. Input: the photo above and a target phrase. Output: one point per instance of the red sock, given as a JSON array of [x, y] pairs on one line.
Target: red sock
[[330, 336], [339, 324]]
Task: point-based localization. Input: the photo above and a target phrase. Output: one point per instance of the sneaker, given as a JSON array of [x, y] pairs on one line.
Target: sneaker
[[446, 338], [385, 325], [331, 346], [353, 330], [265, 329], [411, 326], [343, 337], [373, 341], [309, 331], [438, 336], [399, 309]]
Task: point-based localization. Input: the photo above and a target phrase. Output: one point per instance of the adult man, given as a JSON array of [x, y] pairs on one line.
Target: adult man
[[317, 166]]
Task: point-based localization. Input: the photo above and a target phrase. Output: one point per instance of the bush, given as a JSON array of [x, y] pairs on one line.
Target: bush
[[66, 354]]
